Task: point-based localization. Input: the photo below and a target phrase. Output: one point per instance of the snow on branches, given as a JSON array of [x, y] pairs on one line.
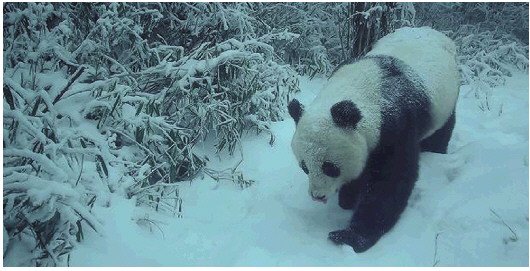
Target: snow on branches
[[492, 38]]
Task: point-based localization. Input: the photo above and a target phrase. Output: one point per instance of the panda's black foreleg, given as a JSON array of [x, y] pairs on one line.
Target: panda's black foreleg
[[349, 194], [385, 198], [438, 141]]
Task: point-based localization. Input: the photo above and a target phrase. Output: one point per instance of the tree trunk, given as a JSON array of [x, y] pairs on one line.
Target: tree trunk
[[370, 22]]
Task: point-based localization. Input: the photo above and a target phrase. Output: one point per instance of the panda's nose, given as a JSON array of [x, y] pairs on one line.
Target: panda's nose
[[319, 198]]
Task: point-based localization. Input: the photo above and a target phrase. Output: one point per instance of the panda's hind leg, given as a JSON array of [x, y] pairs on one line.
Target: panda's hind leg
[[438, 141]]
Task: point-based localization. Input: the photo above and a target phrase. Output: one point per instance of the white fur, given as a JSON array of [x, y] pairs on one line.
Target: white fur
[[317, 139]]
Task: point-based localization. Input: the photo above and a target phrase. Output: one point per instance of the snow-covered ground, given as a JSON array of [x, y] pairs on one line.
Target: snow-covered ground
[[461, 213]]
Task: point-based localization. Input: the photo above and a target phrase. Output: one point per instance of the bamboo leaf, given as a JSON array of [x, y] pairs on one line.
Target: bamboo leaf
[[9, 97], [83, 144], [118, 98], [139, 109], [172, 174], [79, 233], [36, 106], [139, 134], [103, 165]]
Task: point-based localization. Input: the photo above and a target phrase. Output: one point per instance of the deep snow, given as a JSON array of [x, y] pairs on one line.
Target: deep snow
[[275, 223]]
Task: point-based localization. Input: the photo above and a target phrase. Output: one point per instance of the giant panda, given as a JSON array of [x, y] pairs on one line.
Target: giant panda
[[362, 134]]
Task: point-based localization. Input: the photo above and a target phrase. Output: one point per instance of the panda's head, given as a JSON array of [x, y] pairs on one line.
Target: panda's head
[[328, 145]]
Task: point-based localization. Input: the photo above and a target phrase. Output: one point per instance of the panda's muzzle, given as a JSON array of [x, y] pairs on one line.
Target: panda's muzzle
[[322, 199]]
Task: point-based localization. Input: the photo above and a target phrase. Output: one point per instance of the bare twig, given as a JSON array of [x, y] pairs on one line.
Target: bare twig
[[435, 260], [514, 237]]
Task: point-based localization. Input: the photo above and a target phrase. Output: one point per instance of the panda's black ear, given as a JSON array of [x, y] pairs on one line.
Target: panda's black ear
[[345, 114], [296, 109]]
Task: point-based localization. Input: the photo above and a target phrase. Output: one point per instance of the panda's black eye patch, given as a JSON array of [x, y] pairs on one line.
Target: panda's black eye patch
[[330, 169], [304, 167]]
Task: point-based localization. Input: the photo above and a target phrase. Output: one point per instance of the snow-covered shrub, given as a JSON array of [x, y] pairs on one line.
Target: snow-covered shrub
[[489, 57], [502, 17], [326, 33], [49, 181], [113, 97], [492, 38], [315, 48]]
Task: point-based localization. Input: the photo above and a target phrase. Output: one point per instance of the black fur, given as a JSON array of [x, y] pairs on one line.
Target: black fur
[[330, 169], [392, 168], [304, 167], [295, 109], [438, 141], [390, 173], [403, 100], [349, 193], [345, 114]]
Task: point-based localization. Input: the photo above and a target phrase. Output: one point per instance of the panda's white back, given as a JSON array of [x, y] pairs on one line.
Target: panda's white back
[[432, 55]]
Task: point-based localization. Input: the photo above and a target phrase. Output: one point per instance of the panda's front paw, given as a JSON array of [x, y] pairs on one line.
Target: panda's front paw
[[349, 237]]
